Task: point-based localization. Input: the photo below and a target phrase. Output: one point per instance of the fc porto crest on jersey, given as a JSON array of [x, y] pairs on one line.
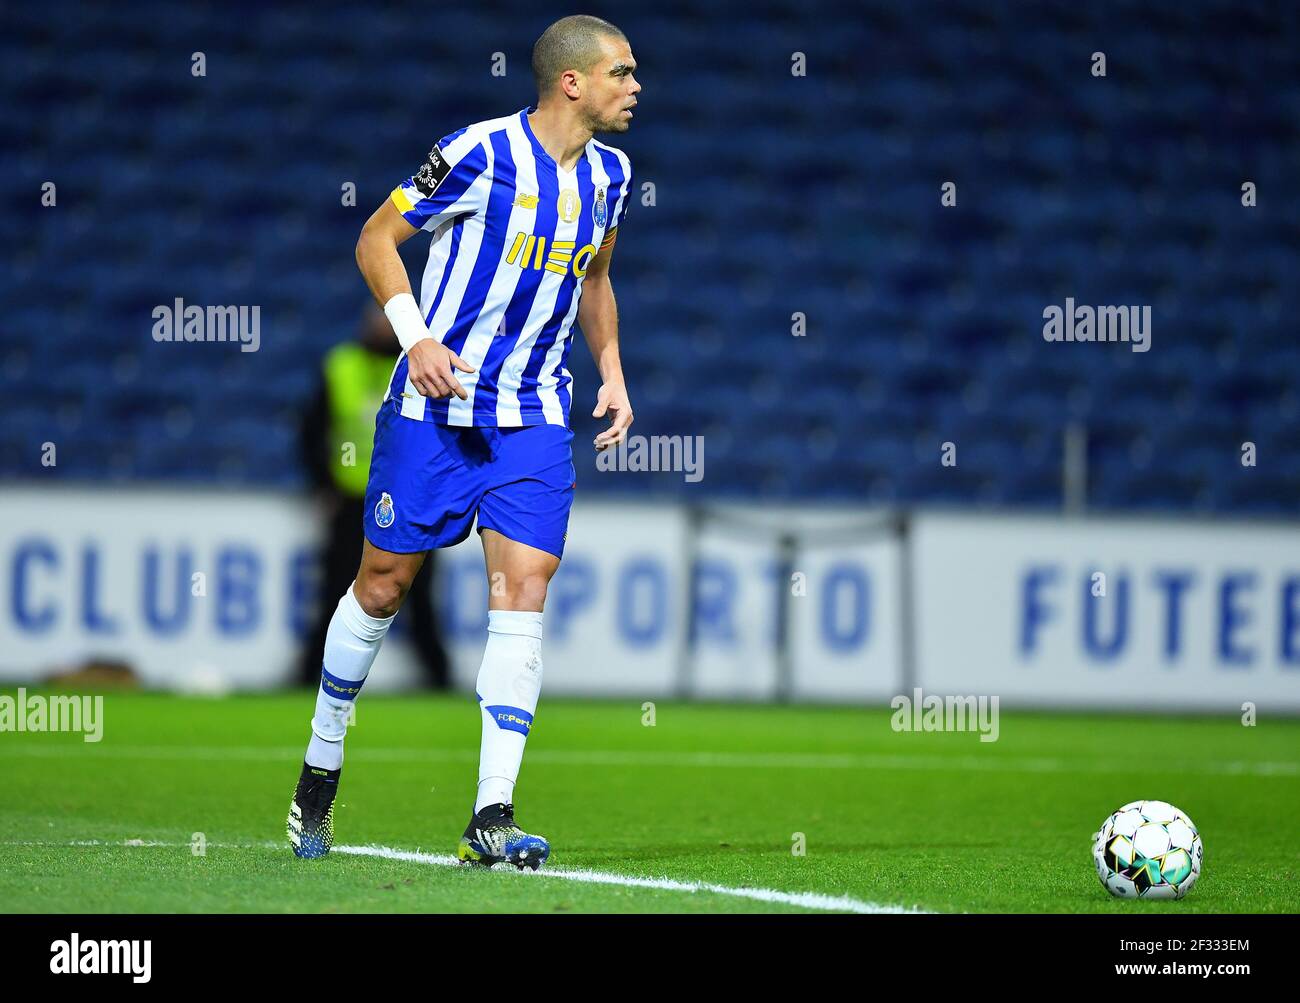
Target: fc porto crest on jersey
[[568, 205], [384, 513], [599, 214]]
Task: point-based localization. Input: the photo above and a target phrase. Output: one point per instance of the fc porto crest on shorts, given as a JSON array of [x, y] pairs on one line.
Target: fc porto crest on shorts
[[384, 514], [599, 214]]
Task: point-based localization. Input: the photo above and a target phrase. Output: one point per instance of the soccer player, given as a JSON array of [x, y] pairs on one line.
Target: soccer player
[[523, 211]]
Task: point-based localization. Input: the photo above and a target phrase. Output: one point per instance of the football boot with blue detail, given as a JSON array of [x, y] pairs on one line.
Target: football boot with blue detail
[[311, 813], [492, 837]]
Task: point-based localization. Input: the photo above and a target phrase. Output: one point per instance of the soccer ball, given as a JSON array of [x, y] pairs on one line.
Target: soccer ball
[[1147, 850]]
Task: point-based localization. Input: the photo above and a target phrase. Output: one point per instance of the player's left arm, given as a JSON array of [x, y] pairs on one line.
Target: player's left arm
[[598, 318]]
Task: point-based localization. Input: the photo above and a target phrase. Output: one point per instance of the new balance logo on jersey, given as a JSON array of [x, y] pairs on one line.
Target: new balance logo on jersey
[[529, 251]]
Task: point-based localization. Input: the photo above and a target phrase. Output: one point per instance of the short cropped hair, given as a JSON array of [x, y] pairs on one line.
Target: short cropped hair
[[571, 43]]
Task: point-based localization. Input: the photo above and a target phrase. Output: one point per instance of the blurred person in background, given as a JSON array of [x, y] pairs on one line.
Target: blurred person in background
[[337, 438]]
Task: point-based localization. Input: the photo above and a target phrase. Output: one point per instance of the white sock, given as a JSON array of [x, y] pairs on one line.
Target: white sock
[[509, 682], [351, 644]]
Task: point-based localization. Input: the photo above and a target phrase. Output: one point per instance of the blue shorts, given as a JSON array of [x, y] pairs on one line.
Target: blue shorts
[[429, 481]]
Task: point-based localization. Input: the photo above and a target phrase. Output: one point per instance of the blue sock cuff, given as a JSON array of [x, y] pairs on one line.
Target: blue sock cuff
[[339, 689]]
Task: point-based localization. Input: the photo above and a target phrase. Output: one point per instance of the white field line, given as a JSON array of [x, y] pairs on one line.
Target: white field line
[[804, 900], [706, 760]]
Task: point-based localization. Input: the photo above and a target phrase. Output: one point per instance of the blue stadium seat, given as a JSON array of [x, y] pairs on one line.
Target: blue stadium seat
[[777, 195]]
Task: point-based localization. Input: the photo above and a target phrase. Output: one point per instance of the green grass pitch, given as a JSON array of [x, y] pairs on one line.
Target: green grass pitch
[[711, 795]]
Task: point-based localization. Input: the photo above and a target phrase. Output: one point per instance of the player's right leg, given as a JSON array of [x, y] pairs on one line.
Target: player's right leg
[[422, 494], [355, 634]]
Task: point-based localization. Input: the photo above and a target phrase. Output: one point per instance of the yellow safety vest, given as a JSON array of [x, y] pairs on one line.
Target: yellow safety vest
[[355, 381]]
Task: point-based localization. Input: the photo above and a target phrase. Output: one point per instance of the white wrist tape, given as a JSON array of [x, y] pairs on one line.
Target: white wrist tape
[[408, 323]]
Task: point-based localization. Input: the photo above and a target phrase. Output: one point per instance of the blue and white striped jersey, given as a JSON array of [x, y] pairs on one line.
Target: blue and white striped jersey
[[513, 236]]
